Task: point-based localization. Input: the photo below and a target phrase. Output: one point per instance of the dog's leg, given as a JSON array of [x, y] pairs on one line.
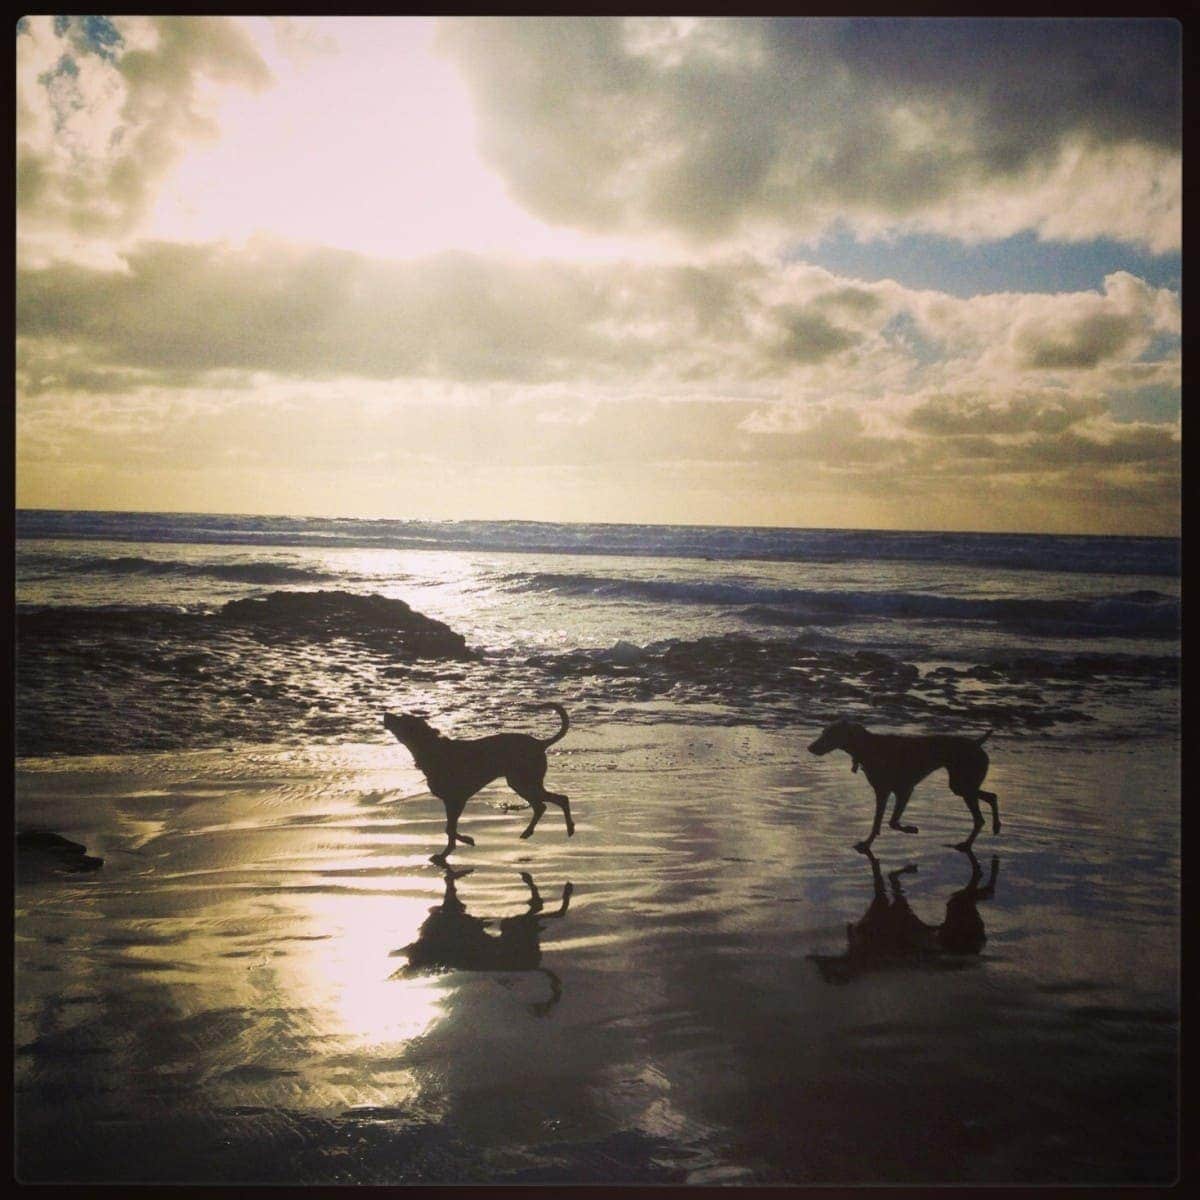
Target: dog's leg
[[990, 798], [453, 812], [971, 800], [881, 796], [565, 804], [538, 809], [902, 799], [530, 785], [532, 791]]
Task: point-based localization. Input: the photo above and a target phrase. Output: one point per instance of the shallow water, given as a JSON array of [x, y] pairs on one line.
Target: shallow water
[[249, 988]]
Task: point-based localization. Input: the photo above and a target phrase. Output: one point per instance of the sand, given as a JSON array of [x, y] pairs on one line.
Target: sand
[[235, 996]]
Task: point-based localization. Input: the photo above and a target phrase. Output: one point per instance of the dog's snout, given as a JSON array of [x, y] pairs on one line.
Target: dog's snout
[[819, 746]]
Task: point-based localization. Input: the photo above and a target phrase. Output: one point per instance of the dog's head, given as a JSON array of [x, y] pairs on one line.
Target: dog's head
[[841, 735], [408, 728]]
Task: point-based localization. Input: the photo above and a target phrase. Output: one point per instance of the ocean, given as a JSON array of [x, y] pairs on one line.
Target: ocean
[[134, 618]]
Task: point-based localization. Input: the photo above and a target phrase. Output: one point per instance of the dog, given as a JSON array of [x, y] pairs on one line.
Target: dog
[[894, 763], [456, 769]]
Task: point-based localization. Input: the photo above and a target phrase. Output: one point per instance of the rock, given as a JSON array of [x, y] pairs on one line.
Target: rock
[[40, 852]]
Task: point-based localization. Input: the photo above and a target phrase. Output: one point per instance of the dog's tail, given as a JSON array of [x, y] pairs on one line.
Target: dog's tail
[[980, 740], [562, 713]]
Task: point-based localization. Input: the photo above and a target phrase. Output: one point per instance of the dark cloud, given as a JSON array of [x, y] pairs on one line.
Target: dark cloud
[[316, 313], [1083, 344], [610, 124], [1125, 444], [949, 416], [319, 313], [855, 301], [1027, 83], [810, 337]]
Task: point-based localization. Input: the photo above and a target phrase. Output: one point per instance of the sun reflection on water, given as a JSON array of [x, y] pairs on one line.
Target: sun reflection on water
[[350, 978]]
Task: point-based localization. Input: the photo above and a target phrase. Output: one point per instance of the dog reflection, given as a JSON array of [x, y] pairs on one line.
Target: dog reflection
[[451, 939], [891, 934]]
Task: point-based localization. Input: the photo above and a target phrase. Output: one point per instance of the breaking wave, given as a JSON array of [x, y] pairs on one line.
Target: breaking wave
[[1144, 612]]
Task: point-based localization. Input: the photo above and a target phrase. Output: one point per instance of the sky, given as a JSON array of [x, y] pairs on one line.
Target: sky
[[873, 273]]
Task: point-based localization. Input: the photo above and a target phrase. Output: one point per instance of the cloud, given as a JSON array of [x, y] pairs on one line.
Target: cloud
[[370, 449], [104, 108], [321, 313], [1094, 328], [1054, 412], [711, 128], [810, 336], [178, 314], [770, 381]]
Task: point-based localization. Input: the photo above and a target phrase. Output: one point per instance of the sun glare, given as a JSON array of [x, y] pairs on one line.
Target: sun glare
[[351, 975], [399, 179]]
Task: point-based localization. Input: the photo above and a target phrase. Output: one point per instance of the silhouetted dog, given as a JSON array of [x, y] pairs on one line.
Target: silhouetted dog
[[456, 769], [895, 763], [890, 934], [450, 938]]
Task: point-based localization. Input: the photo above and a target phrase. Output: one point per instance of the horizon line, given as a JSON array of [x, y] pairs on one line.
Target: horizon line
[[622, 524]]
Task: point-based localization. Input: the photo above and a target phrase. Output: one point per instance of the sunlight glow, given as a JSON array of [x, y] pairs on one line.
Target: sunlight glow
[[399, 178], [352, 975]]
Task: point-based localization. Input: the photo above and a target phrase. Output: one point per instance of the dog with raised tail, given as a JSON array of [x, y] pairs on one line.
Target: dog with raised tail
[[456, 769], [895, 764]]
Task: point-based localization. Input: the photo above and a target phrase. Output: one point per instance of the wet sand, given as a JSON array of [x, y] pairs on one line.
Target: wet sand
[[253, 986]]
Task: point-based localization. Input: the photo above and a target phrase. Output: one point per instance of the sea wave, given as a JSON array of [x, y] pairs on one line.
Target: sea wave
[[1142, 612], [128, 565]]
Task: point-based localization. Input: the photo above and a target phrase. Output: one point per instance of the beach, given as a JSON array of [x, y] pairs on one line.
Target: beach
[[597, 601], [230, 997], [237, 963]]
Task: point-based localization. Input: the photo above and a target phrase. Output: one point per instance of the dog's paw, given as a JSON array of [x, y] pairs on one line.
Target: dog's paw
[[862, 847], [439, 859], [527, 833], [906, 828], [570, 831], [462, 837]]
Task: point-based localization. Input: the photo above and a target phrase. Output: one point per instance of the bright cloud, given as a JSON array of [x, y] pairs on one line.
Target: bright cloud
[[105, 108]]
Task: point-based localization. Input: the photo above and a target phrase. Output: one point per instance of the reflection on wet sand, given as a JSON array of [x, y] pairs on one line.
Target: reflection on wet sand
[[891, 934], [230, 1006], [451, 939]]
